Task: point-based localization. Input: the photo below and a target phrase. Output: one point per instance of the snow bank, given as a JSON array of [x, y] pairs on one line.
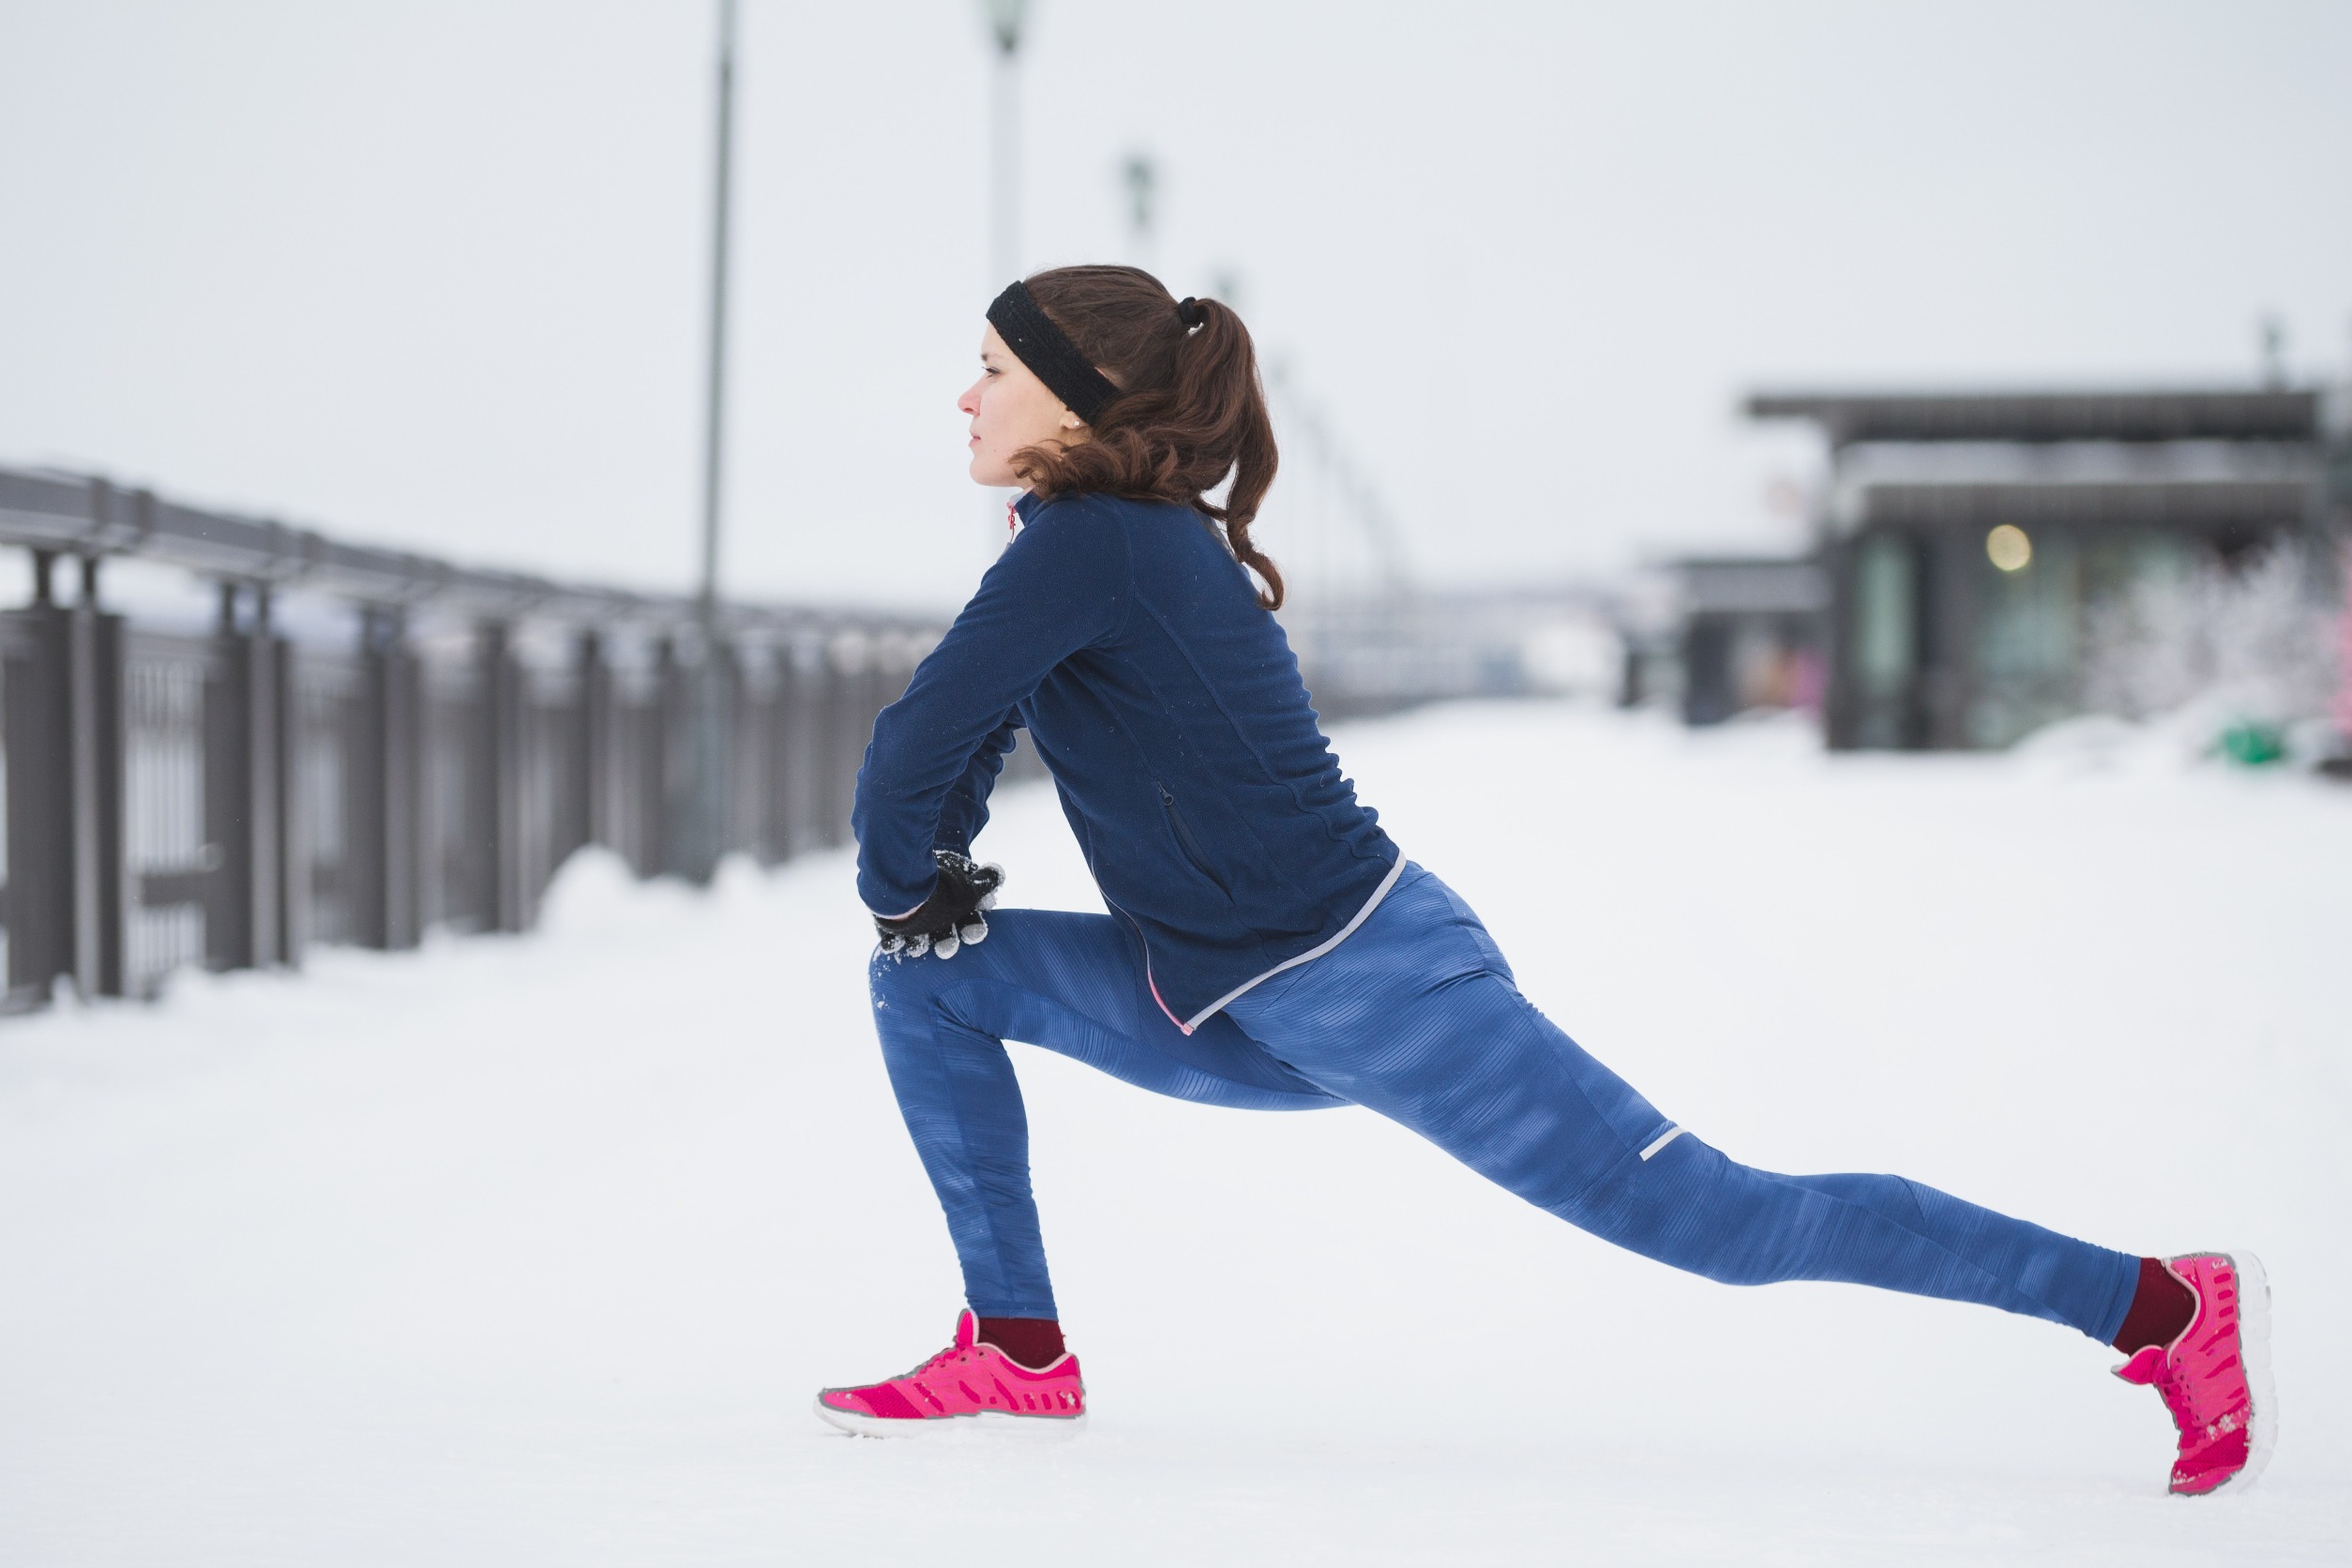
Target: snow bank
[[522, 1250]]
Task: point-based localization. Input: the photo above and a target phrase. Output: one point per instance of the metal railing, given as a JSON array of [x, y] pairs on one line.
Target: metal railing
[[423, 745]]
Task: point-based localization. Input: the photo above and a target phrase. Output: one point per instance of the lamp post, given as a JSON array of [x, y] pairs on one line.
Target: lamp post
[[706, 827], [1005, 18], [1140, 178]]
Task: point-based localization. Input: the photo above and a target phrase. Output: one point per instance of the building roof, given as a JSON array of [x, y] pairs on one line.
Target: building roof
[[1750, 584], [2213, 505], [2184, 414]]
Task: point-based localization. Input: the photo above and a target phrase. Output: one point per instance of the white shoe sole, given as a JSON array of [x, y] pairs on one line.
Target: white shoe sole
[[2253, 1348], [979, 1421]]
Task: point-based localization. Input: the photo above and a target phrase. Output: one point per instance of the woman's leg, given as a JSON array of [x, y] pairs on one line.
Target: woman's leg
[[1416, 1016], [1074, 984]]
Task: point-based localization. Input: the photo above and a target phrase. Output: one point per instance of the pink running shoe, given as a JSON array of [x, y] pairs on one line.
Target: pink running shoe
[[2215, 1379], [968, 1385]]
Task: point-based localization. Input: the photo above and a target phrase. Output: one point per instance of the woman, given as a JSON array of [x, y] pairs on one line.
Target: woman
[[1268, 946]]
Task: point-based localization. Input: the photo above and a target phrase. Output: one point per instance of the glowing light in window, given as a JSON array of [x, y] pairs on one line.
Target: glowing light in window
[[2008, 548]]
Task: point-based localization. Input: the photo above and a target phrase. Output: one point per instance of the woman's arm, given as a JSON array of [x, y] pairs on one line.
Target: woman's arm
[[965, 811], [1061, 586]]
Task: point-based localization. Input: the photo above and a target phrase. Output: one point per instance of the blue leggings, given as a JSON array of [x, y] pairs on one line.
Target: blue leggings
[[1416, 1016]]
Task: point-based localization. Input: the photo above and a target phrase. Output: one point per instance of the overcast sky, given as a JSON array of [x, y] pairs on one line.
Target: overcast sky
[[434, 273]]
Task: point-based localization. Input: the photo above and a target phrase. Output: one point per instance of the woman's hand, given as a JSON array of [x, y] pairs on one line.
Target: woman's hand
[[953, 914]]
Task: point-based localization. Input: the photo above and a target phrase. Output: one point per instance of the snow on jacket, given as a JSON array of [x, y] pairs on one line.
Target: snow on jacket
[[1169, 708]]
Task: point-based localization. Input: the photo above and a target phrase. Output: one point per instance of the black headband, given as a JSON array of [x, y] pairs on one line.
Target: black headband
[[1042, 346]]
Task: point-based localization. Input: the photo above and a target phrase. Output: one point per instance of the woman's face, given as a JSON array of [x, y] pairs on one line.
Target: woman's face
[[1010, 409]]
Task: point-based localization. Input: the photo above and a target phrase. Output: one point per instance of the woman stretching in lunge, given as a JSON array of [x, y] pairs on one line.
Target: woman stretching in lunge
[[1268, 946]]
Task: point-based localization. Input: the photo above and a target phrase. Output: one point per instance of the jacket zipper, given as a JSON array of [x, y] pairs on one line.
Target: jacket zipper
[[1184, 839]]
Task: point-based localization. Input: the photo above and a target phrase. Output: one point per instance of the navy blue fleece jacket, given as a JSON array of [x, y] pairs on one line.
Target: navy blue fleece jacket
[[1169, 708]]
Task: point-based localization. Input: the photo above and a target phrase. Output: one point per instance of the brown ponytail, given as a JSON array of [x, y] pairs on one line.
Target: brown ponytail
[[1190, 409]]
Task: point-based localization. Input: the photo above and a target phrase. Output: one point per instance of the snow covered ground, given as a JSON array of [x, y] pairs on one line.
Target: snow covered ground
[[522, 1251]]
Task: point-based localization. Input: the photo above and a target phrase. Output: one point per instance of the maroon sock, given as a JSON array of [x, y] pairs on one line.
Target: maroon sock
[[2160, 1309], [1033, 1342]]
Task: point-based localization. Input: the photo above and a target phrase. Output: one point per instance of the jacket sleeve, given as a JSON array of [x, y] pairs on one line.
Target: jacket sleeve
[[965, 811], [1061, 585]]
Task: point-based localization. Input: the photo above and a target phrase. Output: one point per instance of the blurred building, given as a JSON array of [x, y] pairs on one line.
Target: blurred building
[[1968, 540], [1713, 637], [1749, 635]]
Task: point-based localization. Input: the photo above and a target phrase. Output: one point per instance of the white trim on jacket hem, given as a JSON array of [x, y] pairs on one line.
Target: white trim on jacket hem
[[1345, 932]]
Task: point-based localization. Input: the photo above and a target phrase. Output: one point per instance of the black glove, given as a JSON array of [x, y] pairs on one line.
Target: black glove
[[953, 915]]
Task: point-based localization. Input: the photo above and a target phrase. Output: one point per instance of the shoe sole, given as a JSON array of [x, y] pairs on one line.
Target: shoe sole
[[932, 1426]]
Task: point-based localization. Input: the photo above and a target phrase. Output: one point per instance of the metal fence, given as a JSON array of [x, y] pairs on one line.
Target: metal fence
[[232, 796]]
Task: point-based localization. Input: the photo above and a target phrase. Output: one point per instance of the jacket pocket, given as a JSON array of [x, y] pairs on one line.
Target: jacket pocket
[[1185, 842]]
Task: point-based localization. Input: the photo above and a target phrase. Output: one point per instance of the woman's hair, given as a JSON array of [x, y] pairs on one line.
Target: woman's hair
[[1190, 407]]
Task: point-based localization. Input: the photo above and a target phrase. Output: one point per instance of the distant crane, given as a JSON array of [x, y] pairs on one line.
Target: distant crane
[[1360, 499]]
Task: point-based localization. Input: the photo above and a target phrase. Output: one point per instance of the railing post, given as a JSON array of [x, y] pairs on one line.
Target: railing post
[[753, 717], [591, 786], [723, 689], [41, 821], [266, 775], [830, 694], [836, 700], [385, 784], [698, 813], [508, 696], [367, 852], [237, 815], [404, 815], [775, 722], [664, 798], [704, 800], [290, 884], [94, 723], [856, 679], [803, 743], [497, 792], [228, 942], [480, 835]]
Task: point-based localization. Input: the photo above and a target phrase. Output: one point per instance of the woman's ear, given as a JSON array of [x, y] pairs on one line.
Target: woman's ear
[[1071, 421]]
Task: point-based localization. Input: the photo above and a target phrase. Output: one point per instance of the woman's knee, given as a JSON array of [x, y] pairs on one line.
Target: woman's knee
[[904, 992], [1692, 1207], [897, 975]]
